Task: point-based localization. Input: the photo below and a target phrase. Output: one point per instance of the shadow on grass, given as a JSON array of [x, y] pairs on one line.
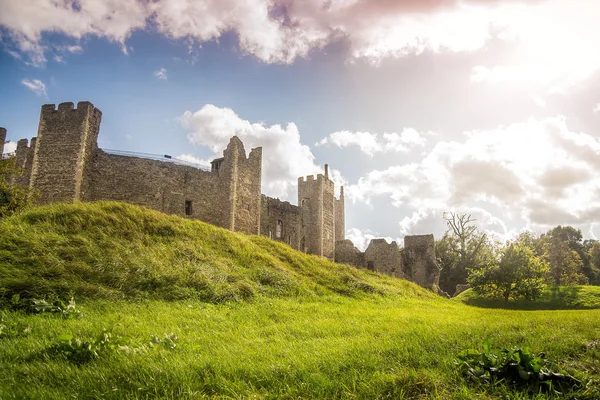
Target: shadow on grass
[[553, 298]]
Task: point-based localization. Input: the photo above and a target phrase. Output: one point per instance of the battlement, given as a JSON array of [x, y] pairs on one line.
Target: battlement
[[67, 109]]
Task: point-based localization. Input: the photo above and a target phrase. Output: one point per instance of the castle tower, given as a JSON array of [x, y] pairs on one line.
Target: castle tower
[[340, 222], [66, 141], [2, 140], [317, 202], [243, 176]]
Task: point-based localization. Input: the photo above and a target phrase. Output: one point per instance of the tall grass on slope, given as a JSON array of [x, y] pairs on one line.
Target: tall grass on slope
[[115, 250]]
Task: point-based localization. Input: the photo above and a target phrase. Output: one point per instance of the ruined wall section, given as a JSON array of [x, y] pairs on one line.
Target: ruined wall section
[[340, 219], [244, 176], [66, 140], [275, 211], [347, 253], [384, 257], [24, 162], [2, 140], [419, 260], [161, 186]]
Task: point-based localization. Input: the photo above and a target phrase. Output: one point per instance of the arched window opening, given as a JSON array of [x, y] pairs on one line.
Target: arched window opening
[[278, 229]]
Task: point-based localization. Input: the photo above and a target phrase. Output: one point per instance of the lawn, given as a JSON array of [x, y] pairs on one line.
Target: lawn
[[187, 310]]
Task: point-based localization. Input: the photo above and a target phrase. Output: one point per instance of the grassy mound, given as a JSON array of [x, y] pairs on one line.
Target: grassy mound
[[553, 298], [110, 250], [307, 328]]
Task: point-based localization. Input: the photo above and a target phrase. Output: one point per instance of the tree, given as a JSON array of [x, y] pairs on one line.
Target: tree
[[462, 248], [565, 264], [519, 274], [594, 263], [13, 198]]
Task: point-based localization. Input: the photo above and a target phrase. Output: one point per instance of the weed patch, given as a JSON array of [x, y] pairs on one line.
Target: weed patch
[[516, 367]]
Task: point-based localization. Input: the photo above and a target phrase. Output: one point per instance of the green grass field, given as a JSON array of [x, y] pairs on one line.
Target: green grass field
[[251, 318]]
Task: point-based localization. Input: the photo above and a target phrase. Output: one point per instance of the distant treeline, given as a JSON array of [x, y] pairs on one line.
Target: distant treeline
[[518, 268]]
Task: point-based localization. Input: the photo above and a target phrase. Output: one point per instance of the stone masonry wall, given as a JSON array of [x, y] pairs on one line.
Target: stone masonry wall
[[161, 186], [24, 161], [340, 219], [347, 253], [384, 257], [244, 175], [420, 261], [317, 202], [275, 210], [66, 139], [2, 139]]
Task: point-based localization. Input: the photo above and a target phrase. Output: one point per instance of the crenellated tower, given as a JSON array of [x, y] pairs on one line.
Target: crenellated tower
[[66, 142], [316, 199]]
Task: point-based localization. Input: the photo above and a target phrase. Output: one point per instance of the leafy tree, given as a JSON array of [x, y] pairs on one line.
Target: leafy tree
[[13, 198], [565, 264], [519, 274], [462, 248], [594, 263]]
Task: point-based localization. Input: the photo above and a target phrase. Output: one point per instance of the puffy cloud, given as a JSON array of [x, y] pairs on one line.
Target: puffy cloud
[[10, 147], [189, 158], [279, 31], [597, 109], [161, 74], [539, 173], [361, 238], [112, 19], [285, 158], [371, 143], [35, 85]]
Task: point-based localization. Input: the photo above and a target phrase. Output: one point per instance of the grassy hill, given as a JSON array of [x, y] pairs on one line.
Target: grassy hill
[[173, 308], [552, 298]]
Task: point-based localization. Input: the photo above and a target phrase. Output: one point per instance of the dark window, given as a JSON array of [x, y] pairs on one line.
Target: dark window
[[188, 207], [370, 266]]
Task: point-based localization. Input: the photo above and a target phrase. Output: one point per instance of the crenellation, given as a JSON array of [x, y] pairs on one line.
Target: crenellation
[[64, 163]]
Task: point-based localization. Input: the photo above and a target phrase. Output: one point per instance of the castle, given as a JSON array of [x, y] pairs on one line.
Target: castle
[[64, 164]]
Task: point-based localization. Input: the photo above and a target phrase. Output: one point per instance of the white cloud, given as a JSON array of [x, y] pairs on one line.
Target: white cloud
[[35, 85], [362, 238], [371, 143], [188, 158], [538, 100], [554, 41], [9, 147], [597, 109], [285, 158], [556, 37], [161, 74], [538, 172]]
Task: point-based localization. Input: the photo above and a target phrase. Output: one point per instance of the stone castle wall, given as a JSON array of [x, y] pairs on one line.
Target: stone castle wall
[[2, 140], [65, 164], [416, 262], [281, 221]]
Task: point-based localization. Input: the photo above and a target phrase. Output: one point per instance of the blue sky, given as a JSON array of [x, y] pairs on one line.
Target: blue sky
[[486, 107]]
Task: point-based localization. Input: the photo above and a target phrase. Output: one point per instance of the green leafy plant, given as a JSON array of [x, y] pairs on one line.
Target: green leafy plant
[[518, 367], [65, 308], [168, 341], [12, 330], [81, 351]]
